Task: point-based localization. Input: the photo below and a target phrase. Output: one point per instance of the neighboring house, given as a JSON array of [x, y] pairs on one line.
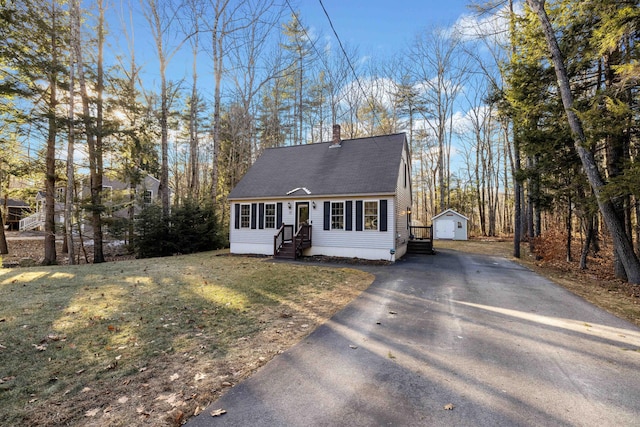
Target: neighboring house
[[450, 225], [115, 197], [348, 198], [15, 211]]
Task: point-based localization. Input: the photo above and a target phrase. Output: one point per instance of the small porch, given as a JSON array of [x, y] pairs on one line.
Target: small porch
[[289, 243], [420, 240]]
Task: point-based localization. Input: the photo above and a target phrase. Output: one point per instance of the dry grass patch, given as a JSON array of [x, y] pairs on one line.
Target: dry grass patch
[[151, 342]]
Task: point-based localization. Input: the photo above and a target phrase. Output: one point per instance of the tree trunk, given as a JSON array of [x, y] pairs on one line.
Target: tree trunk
[[50, 160], [94, 152], [615, 155], [621, 243], [587, 243], [68, 207], [515, 161], [216, 48], [4, 249], [96, 190], [569, 228]]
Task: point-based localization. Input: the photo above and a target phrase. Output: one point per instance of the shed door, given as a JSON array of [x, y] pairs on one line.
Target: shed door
[[446, 229]]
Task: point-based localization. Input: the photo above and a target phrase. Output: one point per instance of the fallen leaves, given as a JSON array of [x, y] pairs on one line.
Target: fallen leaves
[[40, 347], [176, 416], [101, 338], [218, 412], [7, 379], [92, 412]]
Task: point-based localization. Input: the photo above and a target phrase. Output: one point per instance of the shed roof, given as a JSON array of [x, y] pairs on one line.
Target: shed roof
[[449, 211], [15, 203], [357, 166]]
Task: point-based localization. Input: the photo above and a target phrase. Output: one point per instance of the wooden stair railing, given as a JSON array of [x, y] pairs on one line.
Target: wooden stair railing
[[286, 244], [420, 240]]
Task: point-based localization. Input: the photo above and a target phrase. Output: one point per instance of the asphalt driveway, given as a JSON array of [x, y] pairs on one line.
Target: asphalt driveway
[[450, 340]]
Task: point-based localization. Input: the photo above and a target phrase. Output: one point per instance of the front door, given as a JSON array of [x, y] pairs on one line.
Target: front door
[[302, 214]]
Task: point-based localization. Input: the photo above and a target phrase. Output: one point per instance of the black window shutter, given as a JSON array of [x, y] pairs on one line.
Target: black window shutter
[[237, 215], [254, 214], [359, 216], [383, 215], [261, 216], [348, 215], [279, 215], [327, 215]]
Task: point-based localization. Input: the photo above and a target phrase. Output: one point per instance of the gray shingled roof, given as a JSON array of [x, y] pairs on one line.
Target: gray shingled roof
[[358, 166]]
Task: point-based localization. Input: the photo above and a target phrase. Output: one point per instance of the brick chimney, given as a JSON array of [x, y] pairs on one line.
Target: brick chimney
[[336, 136]]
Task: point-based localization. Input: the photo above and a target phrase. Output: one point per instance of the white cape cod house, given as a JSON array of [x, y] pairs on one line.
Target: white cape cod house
[[345, 198]]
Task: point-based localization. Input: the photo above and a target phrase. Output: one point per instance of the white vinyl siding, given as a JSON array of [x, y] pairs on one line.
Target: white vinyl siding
[[403, 204]]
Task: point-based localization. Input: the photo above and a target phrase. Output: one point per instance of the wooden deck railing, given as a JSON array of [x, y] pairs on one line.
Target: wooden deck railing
[[423, 232]]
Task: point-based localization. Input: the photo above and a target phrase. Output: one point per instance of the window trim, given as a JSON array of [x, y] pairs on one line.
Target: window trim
[[268, 217], [150, 198], [245, 216], [364, 215], [60, 194], [336, 216]]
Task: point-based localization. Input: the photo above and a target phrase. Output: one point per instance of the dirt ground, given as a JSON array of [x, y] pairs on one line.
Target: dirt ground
[[27, 249]]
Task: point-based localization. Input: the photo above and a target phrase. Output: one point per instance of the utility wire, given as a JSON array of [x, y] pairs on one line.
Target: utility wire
[[344, 52]]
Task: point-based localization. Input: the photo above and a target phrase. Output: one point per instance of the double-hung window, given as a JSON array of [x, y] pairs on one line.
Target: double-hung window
[[270, 215], [371, 215], [147, 197], [245, 216], [337, 215]]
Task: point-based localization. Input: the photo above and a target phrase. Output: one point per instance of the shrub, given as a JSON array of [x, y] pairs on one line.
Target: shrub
[[190, 228], [151, 233], [194, 228]]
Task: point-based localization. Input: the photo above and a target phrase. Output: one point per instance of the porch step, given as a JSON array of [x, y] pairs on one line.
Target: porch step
[[32, 222], [420, 247], [287, 251]]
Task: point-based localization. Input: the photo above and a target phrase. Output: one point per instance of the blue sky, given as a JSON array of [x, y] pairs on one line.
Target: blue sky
[[379, 26]]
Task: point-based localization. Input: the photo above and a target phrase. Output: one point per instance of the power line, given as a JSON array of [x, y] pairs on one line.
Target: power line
[[344, 52]]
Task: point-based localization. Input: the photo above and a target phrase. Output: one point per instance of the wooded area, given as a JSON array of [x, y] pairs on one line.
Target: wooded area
[[524, 118]]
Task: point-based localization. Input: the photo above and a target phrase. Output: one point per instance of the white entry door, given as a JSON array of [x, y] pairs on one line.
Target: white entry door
[[446, 229]]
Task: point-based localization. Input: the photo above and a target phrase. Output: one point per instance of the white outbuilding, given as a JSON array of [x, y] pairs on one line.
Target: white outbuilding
[[450, 225]]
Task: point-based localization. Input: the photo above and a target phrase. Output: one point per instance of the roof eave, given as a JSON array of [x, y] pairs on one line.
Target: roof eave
[[313, 196]]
